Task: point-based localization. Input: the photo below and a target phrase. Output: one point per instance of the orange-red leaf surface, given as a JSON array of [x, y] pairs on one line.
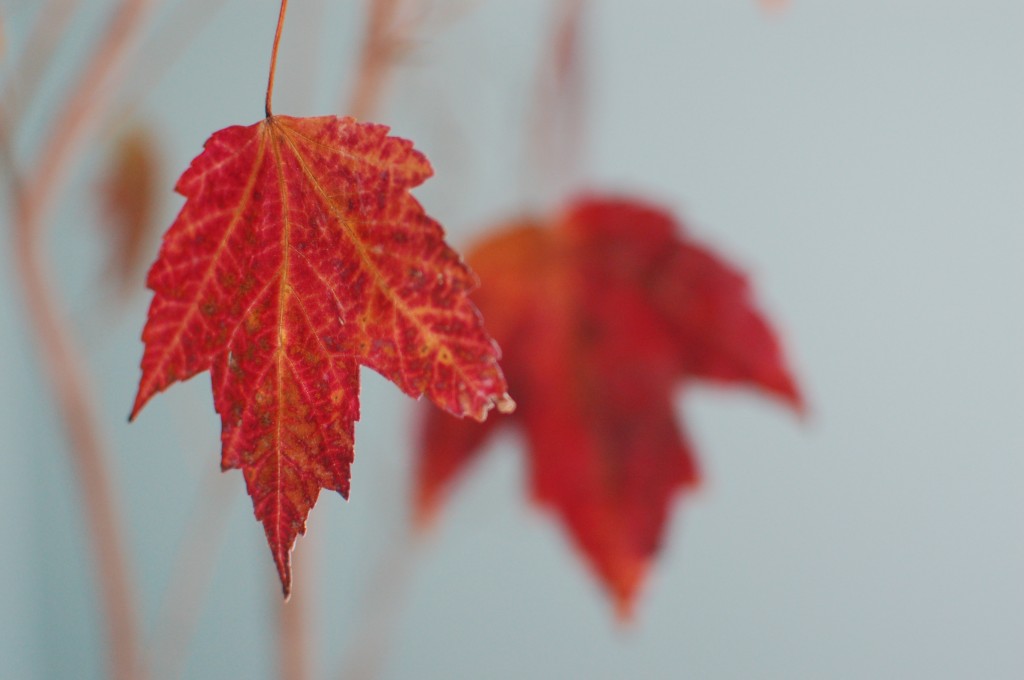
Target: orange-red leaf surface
[[298, 256], [602, 314]]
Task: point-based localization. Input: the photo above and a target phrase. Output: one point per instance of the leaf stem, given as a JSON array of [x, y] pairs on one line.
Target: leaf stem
[[273, 56]]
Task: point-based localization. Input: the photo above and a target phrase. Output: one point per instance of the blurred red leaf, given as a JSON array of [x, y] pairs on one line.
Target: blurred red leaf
[[601, 315], [298, 256], [129, 197]]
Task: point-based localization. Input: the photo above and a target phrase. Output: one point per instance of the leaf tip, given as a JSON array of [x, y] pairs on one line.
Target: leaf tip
[[425, 510], [624, 611], [799, 404], [625, 586], [282, 559], [785, 387], [140, 401], [281, 544], [505, 404]]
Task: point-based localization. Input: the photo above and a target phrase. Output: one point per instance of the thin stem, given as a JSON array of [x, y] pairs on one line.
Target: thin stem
[[273, 56]]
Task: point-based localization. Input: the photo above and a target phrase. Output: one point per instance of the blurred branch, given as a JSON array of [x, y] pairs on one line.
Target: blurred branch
[[44, 38], [557, 123], [80, 111], [75, 401], [166, 49], [292, 618], [61, 363], [389, 31], [382, 607], [190, 576]]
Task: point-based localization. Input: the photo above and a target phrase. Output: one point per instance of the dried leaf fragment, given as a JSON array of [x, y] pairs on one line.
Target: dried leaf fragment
[[129, 197]]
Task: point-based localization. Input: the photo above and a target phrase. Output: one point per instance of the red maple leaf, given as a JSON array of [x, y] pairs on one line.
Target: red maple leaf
[[601, 315], [298, 256]]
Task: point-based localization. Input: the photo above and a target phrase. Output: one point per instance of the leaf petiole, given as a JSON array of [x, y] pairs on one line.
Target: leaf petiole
[[273, 56]]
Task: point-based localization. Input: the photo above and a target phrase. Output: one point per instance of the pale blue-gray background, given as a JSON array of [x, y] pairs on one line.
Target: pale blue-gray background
[[863, 159]]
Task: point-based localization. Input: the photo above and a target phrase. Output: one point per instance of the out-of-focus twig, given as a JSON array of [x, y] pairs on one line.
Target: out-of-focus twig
[[61, 362], [181, 27], [191, 576], [382, 608], [293, 621], [389, 31], [75, 401], [88, 99], [558, 123], [44, 37]]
